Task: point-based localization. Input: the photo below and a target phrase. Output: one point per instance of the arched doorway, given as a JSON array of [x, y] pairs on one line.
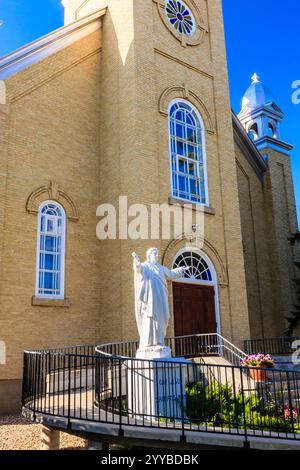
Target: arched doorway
[[195, 296]]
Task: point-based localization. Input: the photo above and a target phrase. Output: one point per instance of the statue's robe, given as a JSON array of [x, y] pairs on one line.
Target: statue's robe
[[151, 302]]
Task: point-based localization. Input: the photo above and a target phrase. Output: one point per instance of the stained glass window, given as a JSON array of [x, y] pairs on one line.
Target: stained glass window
[[188, 163], [51, 251], [180, 17]]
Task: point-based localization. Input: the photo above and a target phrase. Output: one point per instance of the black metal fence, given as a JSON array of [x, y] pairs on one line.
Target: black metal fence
[[193, 346], [280, 346], [175, 394]]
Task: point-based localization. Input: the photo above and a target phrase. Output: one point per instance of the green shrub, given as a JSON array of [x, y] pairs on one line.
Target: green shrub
[[218, 405]]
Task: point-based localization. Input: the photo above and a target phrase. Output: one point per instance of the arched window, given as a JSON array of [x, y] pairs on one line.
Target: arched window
[[51, 251], [187, 148], [253, 132], [198, 267], [271, 130]]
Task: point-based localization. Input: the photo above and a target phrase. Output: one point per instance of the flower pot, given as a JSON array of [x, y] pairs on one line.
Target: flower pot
[[257, 374]]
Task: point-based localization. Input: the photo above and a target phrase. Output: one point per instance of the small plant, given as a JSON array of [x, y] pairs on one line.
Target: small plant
[[258, 360], [220, 405]]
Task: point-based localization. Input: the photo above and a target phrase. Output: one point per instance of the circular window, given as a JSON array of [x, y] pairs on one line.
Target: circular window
[[198, 267], [180, 17]]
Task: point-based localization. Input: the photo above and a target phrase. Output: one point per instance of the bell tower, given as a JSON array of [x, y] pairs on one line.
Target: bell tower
[[155, 53], [261, 118]]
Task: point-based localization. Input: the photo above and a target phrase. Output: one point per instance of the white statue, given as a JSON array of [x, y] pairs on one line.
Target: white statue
[[151, 298]]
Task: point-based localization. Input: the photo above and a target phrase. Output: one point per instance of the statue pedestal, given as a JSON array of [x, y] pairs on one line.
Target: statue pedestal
[[156, 389], [154, 352]]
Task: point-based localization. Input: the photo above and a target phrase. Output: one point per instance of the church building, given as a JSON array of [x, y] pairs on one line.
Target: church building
[[130, 98]]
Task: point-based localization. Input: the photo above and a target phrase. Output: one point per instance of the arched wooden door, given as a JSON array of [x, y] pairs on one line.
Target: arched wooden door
[[195, 304], [194, 309], [194, 313]]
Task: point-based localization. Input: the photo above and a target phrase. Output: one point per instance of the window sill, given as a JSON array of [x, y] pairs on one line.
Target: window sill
[[179, 202], [50, 302]]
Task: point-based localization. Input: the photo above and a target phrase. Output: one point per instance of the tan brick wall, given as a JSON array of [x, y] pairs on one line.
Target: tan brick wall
[[268, 218], [92, 124], [137, 67], [53, 136], [282, 221], [257, 253]]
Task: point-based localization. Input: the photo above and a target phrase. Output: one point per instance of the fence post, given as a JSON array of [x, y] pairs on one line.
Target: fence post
[[34, 386], [121, 432], [25, 378], [183, 436], [290, 400], [246, 443], [69, 388]]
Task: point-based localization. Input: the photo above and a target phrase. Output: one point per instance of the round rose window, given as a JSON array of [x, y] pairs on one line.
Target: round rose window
[[180, 17]]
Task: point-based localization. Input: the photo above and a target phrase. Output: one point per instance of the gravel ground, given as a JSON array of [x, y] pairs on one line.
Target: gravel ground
[[16, 433]]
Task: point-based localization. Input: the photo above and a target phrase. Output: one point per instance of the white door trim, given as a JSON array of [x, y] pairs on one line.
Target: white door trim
[[213, 283]]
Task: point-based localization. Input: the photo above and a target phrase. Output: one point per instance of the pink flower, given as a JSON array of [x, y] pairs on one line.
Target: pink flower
[[288, 414], [258, 360]]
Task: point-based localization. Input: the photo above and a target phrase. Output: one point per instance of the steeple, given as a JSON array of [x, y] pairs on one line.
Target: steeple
[[255, 78], [261, 117], [257, 95]]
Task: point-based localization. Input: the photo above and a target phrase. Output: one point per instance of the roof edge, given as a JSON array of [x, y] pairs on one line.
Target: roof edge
[[49, 44], [252, 154], [270, 107], [276, 144]]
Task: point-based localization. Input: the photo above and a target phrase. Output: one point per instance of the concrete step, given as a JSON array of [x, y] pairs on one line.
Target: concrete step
[[286, 363], [207, 368], [292, 379], [293, 384], [213, 361], [285, 393]]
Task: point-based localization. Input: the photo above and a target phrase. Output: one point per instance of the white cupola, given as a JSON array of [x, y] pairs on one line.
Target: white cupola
[[257, 95], [260, 116]]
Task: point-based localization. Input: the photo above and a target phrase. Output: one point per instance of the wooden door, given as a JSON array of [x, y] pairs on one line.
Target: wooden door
[[194, 313]]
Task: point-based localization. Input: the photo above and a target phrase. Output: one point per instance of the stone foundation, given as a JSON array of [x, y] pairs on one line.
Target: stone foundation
[[10, 396]]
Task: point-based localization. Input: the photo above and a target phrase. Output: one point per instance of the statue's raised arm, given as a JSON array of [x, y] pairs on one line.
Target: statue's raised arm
[[136, 262], [176, 273]]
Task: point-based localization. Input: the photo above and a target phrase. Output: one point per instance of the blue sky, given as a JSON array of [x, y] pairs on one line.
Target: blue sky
[[261, 35]]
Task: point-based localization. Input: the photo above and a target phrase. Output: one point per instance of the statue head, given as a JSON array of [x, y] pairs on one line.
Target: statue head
[[152, 255]]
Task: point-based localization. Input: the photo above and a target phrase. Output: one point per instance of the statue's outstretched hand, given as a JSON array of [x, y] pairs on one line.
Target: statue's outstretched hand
[[136, 259]]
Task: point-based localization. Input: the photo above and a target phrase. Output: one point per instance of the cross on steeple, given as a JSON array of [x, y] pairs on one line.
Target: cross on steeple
[[255, 78]]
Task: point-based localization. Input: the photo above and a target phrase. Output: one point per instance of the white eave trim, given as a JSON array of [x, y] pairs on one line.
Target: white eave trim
[[267, 109], [249, 149], [49, 44], [276, 144]]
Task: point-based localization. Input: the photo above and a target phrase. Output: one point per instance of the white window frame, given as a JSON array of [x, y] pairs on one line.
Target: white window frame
[[204, 156], [61, 295], [200, 259]]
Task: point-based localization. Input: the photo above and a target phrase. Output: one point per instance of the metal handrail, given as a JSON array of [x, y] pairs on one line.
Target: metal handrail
[[224, 347], [210, 397], [281, 345], [221, 344]]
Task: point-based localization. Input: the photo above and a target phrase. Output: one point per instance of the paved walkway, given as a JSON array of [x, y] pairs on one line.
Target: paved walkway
[[78, 413]]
